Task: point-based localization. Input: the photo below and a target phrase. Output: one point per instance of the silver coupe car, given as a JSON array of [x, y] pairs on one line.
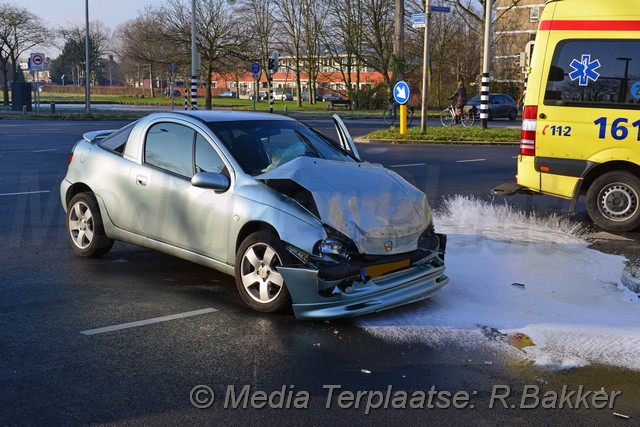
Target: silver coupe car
[[297, 218]]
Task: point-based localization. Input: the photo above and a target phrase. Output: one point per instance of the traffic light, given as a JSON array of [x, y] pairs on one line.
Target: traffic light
[[273, 61]]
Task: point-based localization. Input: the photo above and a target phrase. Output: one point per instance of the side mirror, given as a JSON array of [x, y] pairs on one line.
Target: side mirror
[[211, 180]]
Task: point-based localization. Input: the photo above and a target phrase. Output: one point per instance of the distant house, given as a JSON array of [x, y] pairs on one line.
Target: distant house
[[329, 78]]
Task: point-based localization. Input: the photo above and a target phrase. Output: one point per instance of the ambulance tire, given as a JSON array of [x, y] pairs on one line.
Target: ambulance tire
[[613, 201]]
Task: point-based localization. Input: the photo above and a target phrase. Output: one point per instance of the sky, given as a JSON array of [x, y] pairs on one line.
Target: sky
[[63, 12], [518, 280]]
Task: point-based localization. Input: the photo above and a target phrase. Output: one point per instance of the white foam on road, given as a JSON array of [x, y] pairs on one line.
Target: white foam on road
[[571, 305]]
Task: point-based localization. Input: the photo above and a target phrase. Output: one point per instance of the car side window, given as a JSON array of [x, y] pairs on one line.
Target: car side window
[[594, 73], [169, 146], [117, 140], [207, 159]]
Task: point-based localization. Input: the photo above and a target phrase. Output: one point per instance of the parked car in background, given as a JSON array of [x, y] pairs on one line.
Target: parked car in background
[[169, 92], [501, 106], [262, 95], [305, 96], [282, 96], [330, 96], [296, 218], [228, 94]]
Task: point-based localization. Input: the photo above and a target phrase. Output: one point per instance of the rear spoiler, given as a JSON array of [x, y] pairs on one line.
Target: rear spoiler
[[97, 135]]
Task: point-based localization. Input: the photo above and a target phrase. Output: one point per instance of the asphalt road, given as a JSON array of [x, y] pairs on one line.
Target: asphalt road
[[55, 370]]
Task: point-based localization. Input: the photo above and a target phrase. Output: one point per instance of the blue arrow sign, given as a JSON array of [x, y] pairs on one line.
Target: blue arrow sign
[[401, 92], [255, 68]]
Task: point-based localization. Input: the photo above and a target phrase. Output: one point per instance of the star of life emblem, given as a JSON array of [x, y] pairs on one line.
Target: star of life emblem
[[584, 70]]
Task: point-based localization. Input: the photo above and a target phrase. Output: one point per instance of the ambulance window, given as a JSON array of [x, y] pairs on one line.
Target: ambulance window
[[595, 73]]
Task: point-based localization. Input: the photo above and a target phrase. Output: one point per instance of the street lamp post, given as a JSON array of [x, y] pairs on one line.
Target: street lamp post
[[622, 94]]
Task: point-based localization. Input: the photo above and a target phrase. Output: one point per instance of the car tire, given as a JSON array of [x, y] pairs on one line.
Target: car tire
[[513, 114], [257, 279], [613, 201], [85, 229]]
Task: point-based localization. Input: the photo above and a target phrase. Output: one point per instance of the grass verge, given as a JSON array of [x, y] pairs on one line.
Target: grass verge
[[447, 134]]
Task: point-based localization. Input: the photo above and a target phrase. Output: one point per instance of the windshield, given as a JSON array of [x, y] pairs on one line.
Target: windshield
[[263, 145]]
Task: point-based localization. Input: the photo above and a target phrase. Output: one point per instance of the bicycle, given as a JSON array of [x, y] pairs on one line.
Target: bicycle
[[389, 116], [448, 116]]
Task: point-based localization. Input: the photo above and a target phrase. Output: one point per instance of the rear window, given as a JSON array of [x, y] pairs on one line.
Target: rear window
[[595, 73], [117, 140]]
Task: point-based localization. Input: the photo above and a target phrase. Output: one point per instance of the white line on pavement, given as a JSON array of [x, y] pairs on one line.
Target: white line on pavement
[[471, 160], [25, 192], [148, 321], [408, 165], [44, 151]]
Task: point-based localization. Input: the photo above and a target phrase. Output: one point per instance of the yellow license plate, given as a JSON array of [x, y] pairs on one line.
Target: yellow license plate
[[382, 269]]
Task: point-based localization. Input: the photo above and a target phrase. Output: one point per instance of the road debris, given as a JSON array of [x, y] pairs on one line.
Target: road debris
[[626, 417], [520, 341]]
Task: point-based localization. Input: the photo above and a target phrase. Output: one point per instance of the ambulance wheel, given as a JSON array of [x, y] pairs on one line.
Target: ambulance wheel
[[613, 201]]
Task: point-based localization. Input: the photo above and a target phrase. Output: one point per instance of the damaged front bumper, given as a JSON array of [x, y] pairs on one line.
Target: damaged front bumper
[[364, 295]]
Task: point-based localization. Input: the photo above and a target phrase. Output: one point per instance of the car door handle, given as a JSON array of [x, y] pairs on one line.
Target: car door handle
[[141, 180]]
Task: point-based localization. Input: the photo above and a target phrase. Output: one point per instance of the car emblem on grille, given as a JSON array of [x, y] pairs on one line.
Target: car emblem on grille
[[388, 246]]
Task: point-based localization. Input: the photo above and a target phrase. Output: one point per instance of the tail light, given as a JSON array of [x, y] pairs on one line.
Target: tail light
[[70, 157], [528, 133]]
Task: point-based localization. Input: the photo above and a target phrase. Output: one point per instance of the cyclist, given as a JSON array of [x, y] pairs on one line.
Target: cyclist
[[460, 95], [393, 105]]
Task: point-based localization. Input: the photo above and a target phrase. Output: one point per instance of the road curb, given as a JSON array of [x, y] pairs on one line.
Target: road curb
[[631, 278], [362, 140]]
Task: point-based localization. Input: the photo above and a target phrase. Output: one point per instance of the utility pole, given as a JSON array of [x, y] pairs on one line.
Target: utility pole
[[484, 91], [87, 92], [194, 58], [398, 41], [425, 68]]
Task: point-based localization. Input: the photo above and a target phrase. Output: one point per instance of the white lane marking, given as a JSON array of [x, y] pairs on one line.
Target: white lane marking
[[148, 321], [44, 151], [471, 160], [408, 165], [25, 192]]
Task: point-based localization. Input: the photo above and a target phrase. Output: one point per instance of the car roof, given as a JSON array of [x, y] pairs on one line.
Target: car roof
[[223, 116]]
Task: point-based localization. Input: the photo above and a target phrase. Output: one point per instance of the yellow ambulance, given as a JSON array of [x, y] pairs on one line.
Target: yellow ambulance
[[581, 117]]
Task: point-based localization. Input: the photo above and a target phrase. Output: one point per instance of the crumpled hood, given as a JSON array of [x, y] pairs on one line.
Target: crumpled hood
[[375, 207]]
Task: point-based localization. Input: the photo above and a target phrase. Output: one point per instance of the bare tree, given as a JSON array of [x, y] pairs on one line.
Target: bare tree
[[473, 14], [315, 15], [143, 40], [344, 41], [292, 17], [378, 36], [258, 18], [220, 40], [20, 31], [73, 54]]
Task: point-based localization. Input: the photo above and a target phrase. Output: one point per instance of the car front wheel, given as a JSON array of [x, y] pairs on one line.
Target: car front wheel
[[513, 114], [260, 284], [613, 201], [84, 227]]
